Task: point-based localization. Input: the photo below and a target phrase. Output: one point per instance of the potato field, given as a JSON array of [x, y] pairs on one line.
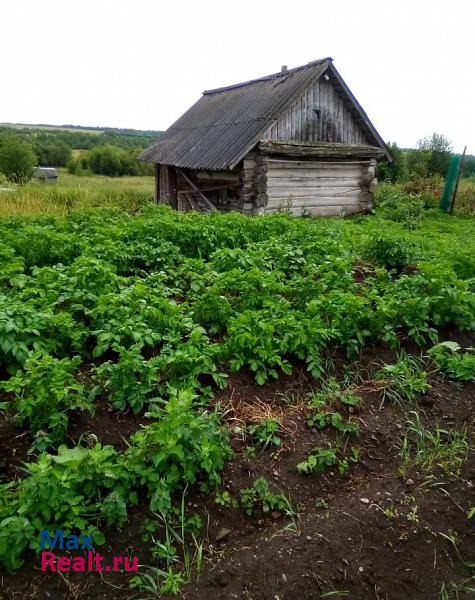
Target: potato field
[[259, 408]]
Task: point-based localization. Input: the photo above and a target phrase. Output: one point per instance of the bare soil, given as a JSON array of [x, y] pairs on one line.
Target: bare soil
[[341, 543]]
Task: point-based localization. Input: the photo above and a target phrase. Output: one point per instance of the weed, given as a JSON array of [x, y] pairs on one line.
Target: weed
[[344, 463], [290, 398], [259, 497], [224, 499], [264, 432], [390, 513], [321, 459], [249, 452], [156, 581], [318, 461], [413, 515], [426, 448], [331, 394], [452, 362], [320, 420], [403, 380]]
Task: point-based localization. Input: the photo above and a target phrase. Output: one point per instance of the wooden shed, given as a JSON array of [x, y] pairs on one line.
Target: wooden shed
[[46, 174], [295, 140]]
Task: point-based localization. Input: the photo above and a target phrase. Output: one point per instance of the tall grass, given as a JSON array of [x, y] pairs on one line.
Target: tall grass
[[73, 192], [431, 188]]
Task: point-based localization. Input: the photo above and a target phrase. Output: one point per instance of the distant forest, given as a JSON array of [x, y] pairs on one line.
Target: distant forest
[[83, 150], [82, 138]]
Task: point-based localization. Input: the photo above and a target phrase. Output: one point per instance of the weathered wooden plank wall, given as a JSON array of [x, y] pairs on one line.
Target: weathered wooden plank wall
[[167, 185], [334, 122], [156, 189], [318, 187]]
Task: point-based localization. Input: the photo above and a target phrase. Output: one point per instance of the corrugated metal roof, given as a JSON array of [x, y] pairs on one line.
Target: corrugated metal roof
[[225, 123]]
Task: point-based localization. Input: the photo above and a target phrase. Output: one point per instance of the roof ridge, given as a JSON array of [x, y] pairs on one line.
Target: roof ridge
[[269, 77]]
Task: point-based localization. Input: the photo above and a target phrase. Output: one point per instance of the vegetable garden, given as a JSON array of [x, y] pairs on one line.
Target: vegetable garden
[[156, 317]]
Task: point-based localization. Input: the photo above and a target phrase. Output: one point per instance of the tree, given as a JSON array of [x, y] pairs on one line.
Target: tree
[[469, 166], [105, 160], [395, 170], [112, 161], [17, 159], [53, 153], [418, 162], [439, 148]]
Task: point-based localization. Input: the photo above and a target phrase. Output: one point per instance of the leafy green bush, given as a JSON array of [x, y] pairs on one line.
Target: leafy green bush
[[112, 161], [45, 391], [68, 490], [130, 380], [397, 206], [25, 329], [390, 252], [183, 445], [453, 363], [53, 153]]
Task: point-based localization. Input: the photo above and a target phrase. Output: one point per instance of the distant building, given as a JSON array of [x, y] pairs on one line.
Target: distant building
[[297, 140], [46, 174]]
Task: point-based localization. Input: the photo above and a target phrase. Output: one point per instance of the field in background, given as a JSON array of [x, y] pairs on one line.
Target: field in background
[[73, 192], [50, 128]]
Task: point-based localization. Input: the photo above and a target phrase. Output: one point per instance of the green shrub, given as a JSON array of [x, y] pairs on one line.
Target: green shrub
[[452, 362], [183, 445], [68, 491], [112, 161], [129, 381], [45, 391], [390, 252], [395, 205]]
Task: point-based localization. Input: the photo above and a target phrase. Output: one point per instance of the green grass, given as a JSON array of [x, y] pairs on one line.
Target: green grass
[[427, 448], [76, 192]]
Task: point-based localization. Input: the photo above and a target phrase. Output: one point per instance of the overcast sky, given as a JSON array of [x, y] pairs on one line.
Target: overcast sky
[[142, 63]]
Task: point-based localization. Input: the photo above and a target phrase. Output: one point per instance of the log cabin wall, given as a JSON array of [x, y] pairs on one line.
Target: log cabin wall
[[320, 115], [248, 183], [318, 187]]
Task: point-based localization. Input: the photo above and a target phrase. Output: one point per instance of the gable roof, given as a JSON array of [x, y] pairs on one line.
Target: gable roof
[[226, 123]]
